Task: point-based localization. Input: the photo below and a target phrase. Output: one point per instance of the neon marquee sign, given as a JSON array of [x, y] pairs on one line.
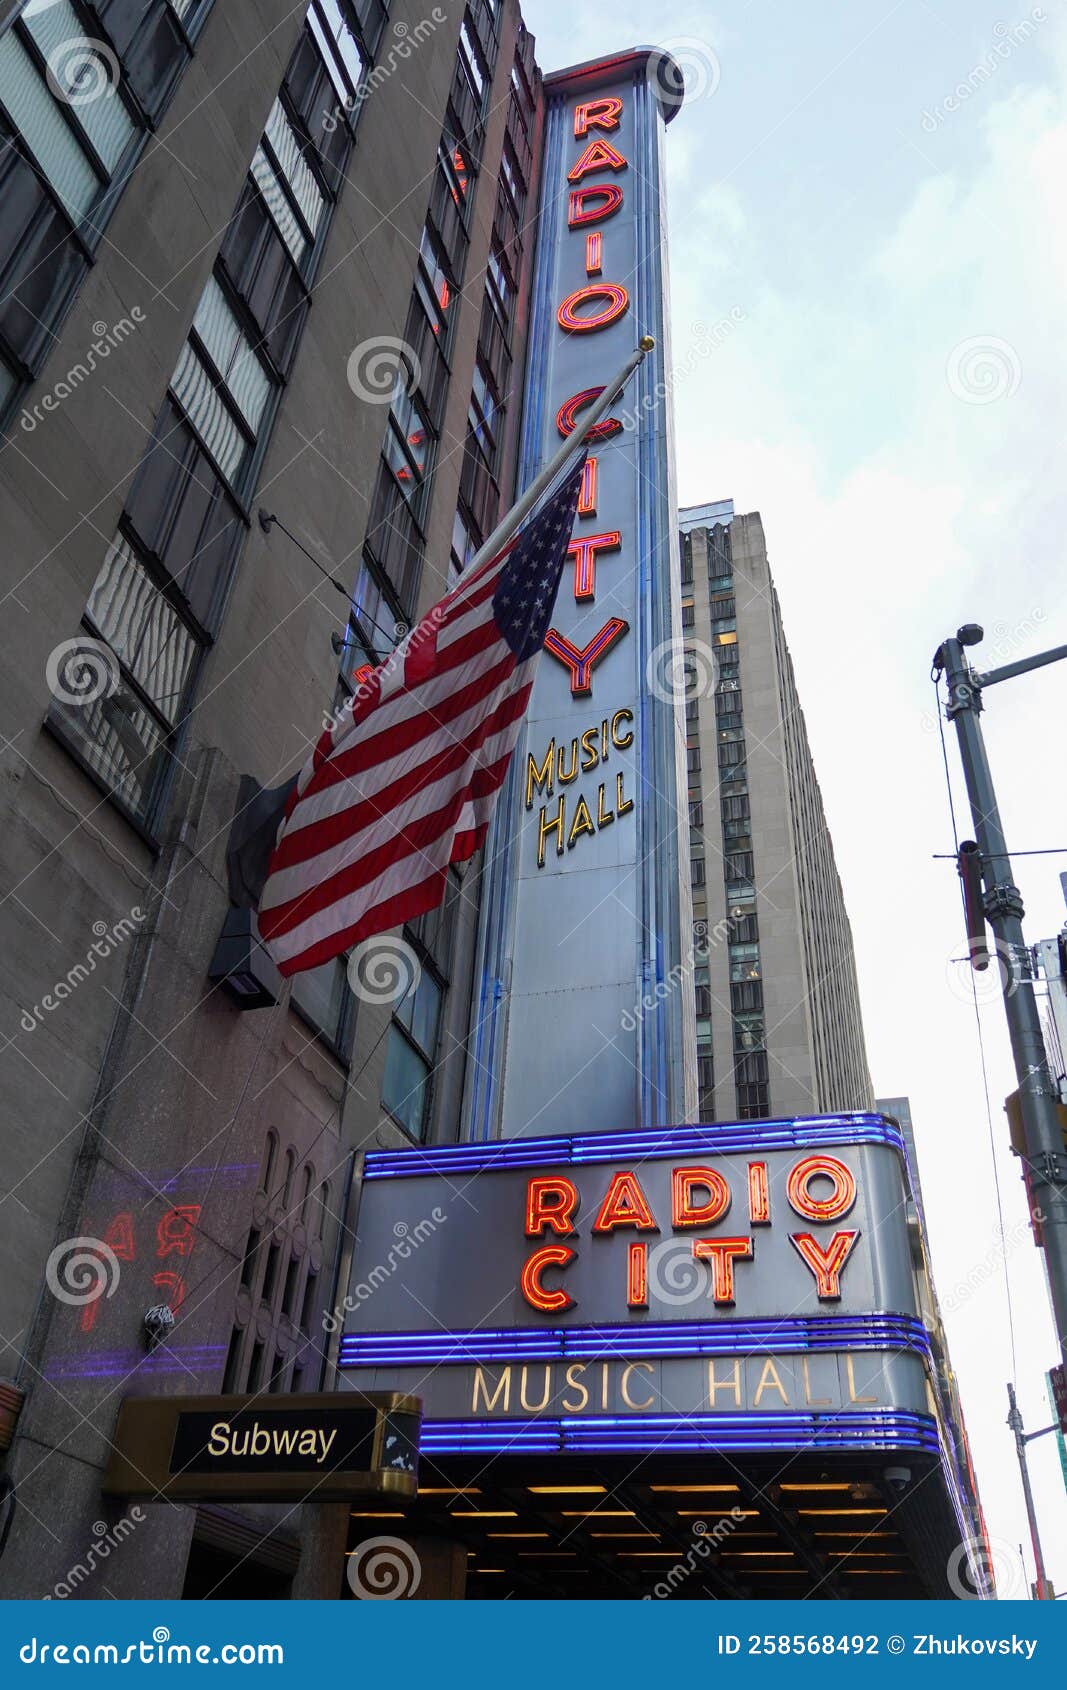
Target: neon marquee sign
[[583, 311], [819, 1188]]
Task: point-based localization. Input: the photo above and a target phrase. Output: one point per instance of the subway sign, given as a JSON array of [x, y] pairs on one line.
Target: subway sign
[[758, 1274], [311, 1447]]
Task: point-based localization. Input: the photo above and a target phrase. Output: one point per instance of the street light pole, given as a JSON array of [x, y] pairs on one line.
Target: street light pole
[[1015, 1421], [1045, 1156]]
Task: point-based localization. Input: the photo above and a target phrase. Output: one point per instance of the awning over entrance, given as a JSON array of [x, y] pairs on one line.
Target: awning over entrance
[[696, 1356], [825, 1527]]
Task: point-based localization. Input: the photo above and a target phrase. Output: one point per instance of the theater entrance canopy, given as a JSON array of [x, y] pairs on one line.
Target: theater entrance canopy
[[704, 1348]]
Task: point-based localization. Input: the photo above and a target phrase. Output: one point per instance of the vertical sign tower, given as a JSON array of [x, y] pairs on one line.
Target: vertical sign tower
[[584, 985]]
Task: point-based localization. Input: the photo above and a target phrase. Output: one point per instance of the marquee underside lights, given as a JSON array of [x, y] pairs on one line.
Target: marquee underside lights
[[710, 1337], [697, 1434]]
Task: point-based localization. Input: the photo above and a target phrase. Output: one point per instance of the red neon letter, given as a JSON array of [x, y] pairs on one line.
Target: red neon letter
[[618, 301], [684, 1212], [587, 491], [597, 114], [549, 1302], [637, 1276], [118, 1237], [553, 1203], [759, 1197], [164, 1280], [598, 155], [565, 417], [594, 247], [594, 203], [825, 1264], [177, 1229], [721, 1253], [829, 1208], [625, 1204], [582, 663], [584, 552]]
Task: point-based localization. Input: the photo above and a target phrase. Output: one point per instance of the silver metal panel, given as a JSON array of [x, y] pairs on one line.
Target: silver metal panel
[[604, 918], [818, 1384], [464, 1271]]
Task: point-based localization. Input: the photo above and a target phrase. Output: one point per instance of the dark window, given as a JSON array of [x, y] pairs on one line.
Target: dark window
[[224, 387], [159, 598], [322, 997], [138, 663], [465, 540], [412, 1047], [67, 154], [746, 995], [740, 865], [744, 928], [484, 415]]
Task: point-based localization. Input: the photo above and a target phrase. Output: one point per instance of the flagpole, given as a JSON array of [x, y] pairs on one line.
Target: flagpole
[[520, 510]]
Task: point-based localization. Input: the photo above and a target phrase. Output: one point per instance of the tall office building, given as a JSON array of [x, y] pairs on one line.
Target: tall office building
[[779, 1029], [257, 262]]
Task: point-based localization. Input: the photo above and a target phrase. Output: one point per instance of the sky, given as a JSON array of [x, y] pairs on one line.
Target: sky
[[868, 249]]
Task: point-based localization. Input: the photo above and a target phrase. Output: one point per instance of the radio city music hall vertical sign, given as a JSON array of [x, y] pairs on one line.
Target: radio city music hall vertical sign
[[586, 904]]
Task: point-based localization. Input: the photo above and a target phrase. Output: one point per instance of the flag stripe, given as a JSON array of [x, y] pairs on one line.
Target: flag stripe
[[375, 782], [381, 868], [355, 828], [403, 781]]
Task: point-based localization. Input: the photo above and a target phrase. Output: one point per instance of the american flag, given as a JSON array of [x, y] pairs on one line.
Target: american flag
[[402, 783]]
